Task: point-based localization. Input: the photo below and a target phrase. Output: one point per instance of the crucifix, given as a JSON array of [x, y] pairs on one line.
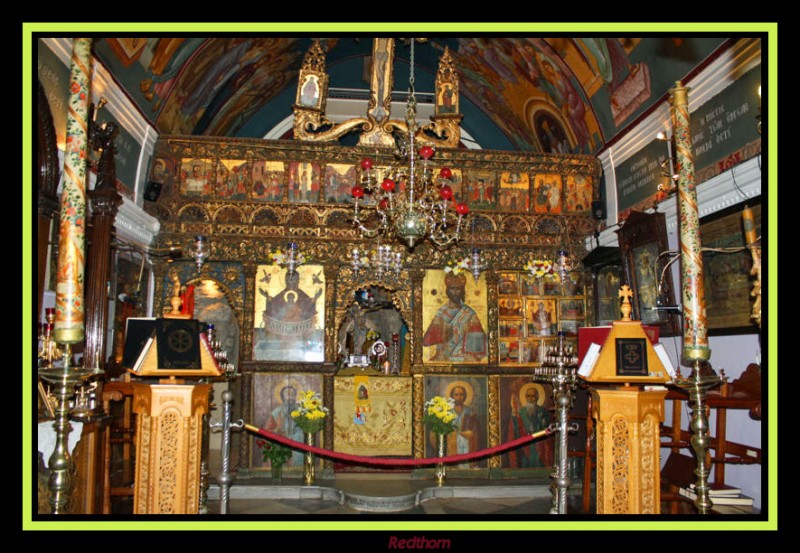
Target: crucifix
[[626, 294], [377, 127]]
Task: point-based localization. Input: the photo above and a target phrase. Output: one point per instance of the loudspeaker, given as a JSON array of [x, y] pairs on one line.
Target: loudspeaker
[[152, 191], [599, 210]]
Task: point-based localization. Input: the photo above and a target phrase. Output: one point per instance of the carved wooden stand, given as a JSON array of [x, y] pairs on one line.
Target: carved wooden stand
[[628, 466], [169, 437]]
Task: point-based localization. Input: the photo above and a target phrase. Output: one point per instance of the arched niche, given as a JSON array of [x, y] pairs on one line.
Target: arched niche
[[396, 293], [550, 128]]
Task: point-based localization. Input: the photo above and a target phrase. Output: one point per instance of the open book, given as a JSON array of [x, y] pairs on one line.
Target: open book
[[715, 490], [589, 360]]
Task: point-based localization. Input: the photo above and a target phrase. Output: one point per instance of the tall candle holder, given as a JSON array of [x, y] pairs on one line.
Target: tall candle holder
[[695, 327], [560, 369], [63, 382], [697, 386]]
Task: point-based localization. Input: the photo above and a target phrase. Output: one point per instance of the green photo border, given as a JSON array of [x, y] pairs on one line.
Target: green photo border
[[402, 524]]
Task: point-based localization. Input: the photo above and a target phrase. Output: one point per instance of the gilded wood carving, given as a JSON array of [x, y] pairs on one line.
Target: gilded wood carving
[[245, 228]]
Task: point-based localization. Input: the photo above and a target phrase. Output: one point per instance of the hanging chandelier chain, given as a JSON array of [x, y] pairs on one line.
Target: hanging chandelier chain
[[411, 203]]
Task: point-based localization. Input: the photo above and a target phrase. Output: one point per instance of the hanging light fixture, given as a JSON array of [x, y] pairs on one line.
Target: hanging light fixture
[[200, 251], [758, 117], [358, 261], [385, 261], [564, 262], [388, 261], [476, 263], [425, 208], [668, 184], [292, 260]]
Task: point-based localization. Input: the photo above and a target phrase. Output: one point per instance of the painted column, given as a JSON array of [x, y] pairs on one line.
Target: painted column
[[69, 323], [695, 335]]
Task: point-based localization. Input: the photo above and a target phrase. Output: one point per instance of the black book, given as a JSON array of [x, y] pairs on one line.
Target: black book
[[178, 344]]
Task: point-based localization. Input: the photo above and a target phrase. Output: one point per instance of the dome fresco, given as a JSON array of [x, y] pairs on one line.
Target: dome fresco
[[529, 94]]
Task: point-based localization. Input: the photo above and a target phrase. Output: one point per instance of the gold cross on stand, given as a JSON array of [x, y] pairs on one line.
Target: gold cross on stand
[[626, 294]]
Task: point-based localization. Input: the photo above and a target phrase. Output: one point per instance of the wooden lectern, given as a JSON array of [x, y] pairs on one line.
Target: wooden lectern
[[169, 430], [628, 417]]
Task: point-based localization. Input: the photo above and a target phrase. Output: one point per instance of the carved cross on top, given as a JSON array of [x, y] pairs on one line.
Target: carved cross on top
[[626, 294], [377, 127]]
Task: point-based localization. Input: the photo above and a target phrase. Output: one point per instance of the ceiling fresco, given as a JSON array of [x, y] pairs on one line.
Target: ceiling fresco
[[543, 94]]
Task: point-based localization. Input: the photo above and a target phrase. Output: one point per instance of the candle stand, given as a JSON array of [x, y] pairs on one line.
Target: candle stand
[[63, 380], [560, 370]]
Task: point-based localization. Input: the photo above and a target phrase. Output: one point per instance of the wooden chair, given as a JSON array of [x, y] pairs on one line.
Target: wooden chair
[[742, 393], [121, 432]]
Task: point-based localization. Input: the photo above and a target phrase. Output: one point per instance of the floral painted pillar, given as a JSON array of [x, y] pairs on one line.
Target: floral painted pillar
[[695, 337], [695, 329], [69, 323]]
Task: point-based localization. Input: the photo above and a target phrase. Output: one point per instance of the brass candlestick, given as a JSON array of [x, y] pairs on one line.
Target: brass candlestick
[[309, 475], [63, 380], [697, 385], [441, 449], [560, 370]]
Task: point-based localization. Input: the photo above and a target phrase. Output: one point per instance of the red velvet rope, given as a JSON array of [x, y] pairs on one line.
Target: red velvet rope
[[395, 462]]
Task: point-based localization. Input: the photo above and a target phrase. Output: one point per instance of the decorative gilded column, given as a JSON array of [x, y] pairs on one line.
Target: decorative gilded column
[[69, 323], [331, 280], [249, 319], [695, 328], [492, 279], [327, 430], [418, 427], [105, 201], [494, 419], [417, 275]]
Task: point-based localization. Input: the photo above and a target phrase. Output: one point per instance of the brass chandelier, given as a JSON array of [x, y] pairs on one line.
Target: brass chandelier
[[413, 201]]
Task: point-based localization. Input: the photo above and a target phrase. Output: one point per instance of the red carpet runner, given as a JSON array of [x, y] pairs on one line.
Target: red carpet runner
[[393, 462]]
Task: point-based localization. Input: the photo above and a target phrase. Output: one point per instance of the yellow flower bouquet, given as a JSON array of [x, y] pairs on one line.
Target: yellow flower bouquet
[[540, 268], [310, 414], [440, 414], [456, 266], [280, 257]]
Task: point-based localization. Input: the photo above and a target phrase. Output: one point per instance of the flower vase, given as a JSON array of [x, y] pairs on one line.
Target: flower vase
[[538, 286], [308, 461], [441, 446], [277, 472]]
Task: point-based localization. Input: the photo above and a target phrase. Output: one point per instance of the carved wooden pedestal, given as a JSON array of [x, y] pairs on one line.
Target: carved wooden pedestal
[[168, 447], [628, 460]]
